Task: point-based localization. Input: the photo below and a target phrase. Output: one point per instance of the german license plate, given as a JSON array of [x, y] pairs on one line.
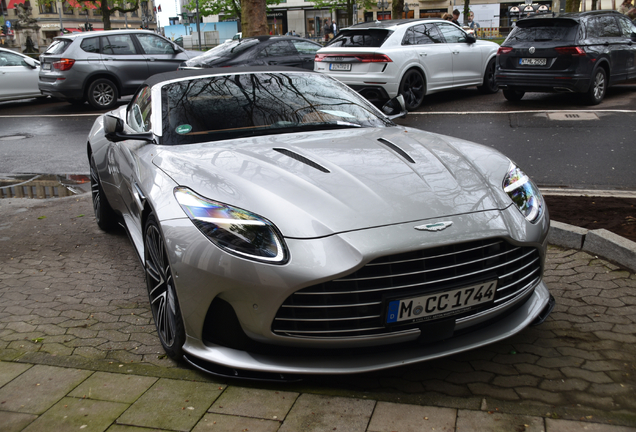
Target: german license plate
[[442, 304], [46, 66], [533, 61], [340, 66]]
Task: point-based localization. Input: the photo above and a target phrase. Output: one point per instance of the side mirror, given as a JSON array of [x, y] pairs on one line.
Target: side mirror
[[29, 62], [471, 39], [114, 131], [395, 107]]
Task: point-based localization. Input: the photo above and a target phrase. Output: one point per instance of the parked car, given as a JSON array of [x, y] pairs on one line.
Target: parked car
[[413, 58], [288, 226], [258, 51], [574, 52], [100, 67], [18, 76]]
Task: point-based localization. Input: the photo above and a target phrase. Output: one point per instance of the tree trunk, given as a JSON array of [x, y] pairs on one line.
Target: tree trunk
[[254, 18], [572, 5], [398, 9], [105, 15], [466, 11]]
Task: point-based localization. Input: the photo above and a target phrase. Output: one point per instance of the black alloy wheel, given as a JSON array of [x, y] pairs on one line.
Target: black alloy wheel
[[413, 89], [490, 82], [161, 291], [598, 87], [102, 94], [513, 95], [104, 214]]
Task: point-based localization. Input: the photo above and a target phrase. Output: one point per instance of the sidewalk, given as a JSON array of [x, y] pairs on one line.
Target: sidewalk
[[78, 351]]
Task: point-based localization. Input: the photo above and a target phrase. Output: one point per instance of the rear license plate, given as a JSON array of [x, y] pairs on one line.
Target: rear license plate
[[442, 304], [46, 66], [533, 61], [340, 66]]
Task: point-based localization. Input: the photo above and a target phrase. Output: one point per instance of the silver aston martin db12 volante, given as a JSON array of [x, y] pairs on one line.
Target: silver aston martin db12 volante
[[287, 226]]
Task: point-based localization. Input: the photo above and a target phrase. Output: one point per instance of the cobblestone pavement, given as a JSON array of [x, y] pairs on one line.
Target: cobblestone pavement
[[71, 295]]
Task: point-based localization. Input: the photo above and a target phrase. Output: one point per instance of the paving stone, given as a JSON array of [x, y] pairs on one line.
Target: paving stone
[[564, 385], [593, 401], [124, 428], [182, 403], [445, 388], [38, 388], [466, 377], [479, 421], [619, 337], [559, 362], [225, 423], [247, 402], [78, 414], [584, 354], [589, 376], [320, 413], [516, 381], [9, 371], [483, 389], [495, 368], [612, 389], [556, 425], [410, 418], [407, 385], [513, 359], [540, 395], [601, 365], [15, 422], [113, 387]]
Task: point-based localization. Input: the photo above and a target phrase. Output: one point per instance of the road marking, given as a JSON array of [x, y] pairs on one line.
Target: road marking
[[522, 112], [588, 192]]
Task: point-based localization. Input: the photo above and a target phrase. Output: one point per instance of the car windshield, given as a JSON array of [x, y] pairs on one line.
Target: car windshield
[[228, 49], [245, 105], [544, 31], [58, 46], [372, 38]]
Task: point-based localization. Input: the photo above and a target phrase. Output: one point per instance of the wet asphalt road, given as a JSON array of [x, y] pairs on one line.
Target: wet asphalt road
[[595, 151]]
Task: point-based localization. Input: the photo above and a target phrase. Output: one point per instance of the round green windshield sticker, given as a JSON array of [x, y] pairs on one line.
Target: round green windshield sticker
[[184, 129]]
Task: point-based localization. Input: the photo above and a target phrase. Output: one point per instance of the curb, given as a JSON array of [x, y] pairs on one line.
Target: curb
[[597, 242]]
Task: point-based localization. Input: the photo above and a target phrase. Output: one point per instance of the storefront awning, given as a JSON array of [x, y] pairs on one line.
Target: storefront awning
[[13, 3]]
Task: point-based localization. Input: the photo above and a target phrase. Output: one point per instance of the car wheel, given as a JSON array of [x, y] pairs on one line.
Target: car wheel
[[161, 291], [102, 94], [104, 214], [490, 82], [598, 87], [413, 89], [513, 95]]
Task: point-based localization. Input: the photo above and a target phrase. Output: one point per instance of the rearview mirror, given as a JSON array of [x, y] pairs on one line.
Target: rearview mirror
[[395, 107], [29, 62], [114, 131], [471, 39]]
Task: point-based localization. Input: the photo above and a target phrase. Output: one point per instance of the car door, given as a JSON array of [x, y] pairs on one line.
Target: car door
[[608, 41], [160, 53], [468, 65], [434, 55], [17, 78], [307, 52], [121, 57], [628, 30], [280, 53]]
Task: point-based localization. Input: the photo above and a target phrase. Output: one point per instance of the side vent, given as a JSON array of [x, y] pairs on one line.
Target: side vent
[[396, 149], [301, 158]]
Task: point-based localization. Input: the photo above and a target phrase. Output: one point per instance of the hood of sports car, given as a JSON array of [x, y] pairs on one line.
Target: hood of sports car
[[314, 184]]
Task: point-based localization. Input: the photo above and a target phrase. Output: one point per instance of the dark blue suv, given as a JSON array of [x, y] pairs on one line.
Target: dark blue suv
[[574, 52]]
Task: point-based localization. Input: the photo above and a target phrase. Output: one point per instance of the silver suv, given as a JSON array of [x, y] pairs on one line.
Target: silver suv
[[100, 67]]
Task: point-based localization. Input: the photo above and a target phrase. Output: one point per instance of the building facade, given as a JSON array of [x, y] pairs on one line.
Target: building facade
[[62, 17]]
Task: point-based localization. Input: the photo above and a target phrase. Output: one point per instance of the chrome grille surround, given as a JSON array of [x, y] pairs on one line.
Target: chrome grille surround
[[355, 305]]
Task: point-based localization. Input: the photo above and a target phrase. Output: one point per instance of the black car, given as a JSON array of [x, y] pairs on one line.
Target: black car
[[573, 52], [258, 51]]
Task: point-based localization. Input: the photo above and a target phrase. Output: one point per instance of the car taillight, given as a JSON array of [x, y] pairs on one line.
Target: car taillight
[[361, 58], [63, 64], [575, 51], [504, 50]]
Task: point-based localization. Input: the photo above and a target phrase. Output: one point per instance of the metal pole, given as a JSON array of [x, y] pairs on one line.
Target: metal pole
[[59, 9], [198, 29], [126, 17]]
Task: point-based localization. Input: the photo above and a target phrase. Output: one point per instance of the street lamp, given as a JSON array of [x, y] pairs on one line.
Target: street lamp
[[383, 5], [59, 10], [406, 10]]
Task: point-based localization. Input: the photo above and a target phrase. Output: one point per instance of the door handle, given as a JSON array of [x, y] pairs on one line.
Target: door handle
[[150, 58], [423, 54], [455, 52]]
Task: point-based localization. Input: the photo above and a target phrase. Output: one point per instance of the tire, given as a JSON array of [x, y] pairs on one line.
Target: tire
[[413, 88], [490, 85], [513, 95], [104, 214], [161, 291], [598, 87], [102, 94]]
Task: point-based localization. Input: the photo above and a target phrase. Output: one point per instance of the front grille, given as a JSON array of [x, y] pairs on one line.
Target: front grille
[[355, 305]]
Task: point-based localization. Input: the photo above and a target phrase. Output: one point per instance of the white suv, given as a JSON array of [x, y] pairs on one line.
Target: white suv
[[413, 58]]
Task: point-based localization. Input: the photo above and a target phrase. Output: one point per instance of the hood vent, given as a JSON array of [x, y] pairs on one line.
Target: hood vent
[[301, 158], [396, 149]]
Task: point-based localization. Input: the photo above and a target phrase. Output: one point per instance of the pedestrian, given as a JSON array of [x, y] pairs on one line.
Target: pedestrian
[[471, 21], [455, 19], [334, 29], [326, 28], [625, 7], [447, 17]]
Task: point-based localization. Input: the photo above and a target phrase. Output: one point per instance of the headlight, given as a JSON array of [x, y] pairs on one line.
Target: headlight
[[524, 193], [234, 230]]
